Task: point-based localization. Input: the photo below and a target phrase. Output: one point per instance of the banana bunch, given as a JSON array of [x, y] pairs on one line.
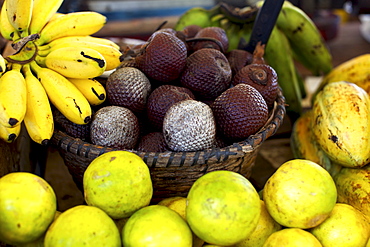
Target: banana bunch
[[295, 38], [54, 63]]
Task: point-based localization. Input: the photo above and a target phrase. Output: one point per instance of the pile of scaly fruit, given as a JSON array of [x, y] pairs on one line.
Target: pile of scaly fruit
[[335, 132], [54, 60], [295, 38]]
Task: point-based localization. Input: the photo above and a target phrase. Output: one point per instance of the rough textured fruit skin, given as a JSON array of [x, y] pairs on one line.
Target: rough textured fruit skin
[[341, 125], [152, 142], [353, 187], [119, 183], [156, 226], [292, 237], [161, 99], [223, 208], [163, 57], [238, 59], [300, 194], [216, 33], [345, 226], [83, 225], [128, 87], [189, 125], [207, 73], [115, 126], [262, 77], [240, 111]]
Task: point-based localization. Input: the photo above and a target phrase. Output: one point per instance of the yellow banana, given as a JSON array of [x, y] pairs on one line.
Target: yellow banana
[[63, 95], [341, 126], [13, 97], [6, 29], [279, 56], [355, 70], [353, 188], [38, 120], [9, 135], [75, 62], [71, 24], [308, 46], [2, 65], [25, 55], [56, 15], [110, 54], [87, 38], [19, 14], [42, 12], [91, 88]]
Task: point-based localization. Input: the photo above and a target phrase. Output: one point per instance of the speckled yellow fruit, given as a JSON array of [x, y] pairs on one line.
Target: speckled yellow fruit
[[223, 208], [292, 237], [83, 225], [178, 204], [27, 207], [345, 227], [265, 227], [300, 194], [156, 226], [119, 183]]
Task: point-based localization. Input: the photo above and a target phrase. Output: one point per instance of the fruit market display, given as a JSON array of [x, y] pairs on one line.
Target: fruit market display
[[295, 38], [222, 209], [54, 62]]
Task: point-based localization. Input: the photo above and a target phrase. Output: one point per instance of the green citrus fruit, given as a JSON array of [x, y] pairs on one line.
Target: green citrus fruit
[[292, 237], [345, 226], [119, 183], [156, 226], [265, 227], [27, 207], [223, 208], [82, 226], [300, 194]]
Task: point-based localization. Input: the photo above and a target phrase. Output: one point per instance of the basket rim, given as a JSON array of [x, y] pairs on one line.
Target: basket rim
[[76, 146]]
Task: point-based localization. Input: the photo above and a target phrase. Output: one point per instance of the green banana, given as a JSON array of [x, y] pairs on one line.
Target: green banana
[[341, 113], [279, 56], [196, 16], [308, 46]]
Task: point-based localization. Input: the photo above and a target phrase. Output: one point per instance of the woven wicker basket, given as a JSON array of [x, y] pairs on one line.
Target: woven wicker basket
[[173, 173]]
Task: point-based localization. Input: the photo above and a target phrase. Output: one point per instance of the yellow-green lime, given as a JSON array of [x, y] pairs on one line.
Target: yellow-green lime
[[83, 225], [156, 226], [119, 183], [300, 194], [27, 207], [178, 204], [345, 226], [223, 207], [292, 237], [265, 227]]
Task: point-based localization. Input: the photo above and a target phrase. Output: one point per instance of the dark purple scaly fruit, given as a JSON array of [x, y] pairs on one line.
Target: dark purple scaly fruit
[[218, 39], [240, 111], [238, 59], [116, 127], [262, 77], [163, 56], [128, 87], [152, 142], [161, 99], [207, 73]]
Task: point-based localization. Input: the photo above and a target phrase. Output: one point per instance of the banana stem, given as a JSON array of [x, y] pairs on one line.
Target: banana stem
[[16, 66]]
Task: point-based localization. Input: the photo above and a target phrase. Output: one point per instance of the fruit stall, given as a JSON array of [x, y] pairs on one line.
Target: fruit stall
[[189, 128]]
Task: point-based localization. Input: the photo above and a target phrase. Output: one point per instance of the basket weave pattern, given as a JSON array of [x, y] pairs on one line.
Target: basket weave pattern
[[173, 173]]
